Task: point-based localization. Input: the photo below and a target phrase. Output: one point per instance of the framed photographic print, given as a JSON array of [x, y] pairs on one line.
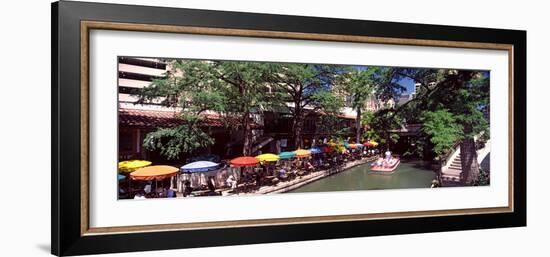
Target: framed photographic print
[[178, 128]]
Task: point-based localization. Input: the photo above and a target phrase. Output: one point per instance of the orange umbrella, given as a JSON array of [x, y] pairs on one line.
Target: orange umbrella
[[244, 161], [157, 172], [301, 153]]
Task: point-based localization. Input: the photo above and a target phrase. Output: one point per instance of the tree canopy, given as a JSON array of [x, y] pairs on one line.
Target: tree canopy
[[449, 103]]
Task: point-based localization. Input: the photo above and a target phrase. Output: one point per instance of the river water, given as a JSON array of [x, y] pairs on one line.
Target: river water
[[407, 175]]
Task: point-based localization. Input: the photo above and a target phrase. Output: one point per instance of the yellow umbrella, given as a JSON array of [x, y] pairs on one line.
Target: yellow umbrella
[[132, 165], [374, 143], [268, 157], [301, 153]]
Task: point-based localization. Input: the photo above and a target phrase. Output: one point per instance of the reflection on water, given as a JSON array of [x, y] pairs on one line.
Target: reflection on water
[[407, 175]]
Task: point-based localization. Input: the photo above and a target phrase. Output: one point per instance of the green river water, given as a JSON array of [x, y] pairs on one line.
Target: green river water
[[407, 175]]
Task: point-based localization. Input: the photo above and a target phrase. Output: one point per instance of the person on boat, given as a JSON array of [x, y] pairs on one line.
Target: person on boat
[[388, 155], [379, 162]]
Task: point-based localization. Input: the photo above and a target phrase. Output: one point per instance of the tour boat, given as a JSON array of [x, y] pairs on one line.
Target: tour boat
[[386, 170]]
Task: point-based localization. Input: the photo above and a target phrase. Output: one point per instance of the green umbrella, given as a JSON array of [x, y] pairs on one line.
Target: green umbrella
[[287, 155]]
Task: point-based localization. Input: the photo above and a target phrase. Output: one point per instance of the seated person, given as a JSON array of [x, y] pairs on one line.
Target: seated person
[[232, 182], [282, 173], [309, 166], [140, 195], [171, 193], [147, 189], [187, 188], [378, 162]]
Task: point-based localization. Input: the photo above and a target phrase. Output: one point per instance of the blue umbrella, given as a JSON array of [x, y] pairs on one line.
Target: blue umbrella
[[315, 150], [121, 177], [200, 166]]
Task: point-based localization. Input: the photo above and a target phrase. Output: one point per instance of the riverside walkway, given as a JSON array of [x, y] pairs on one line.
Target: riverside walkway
[[285, 186]]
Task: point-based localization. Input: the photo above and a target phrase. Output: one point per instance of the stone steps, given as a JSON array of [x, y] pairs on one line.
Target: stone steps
[[451, 174]]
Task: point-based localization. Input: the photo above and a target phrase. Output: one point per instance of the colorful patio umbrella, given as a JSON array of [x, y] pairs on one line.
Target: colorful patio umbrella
[[199, 166], [326, 149], [157, 172], [244, 161], [301, 153], [132, 165], [287, 155], [315, 150], [268, 157], [370, 143]]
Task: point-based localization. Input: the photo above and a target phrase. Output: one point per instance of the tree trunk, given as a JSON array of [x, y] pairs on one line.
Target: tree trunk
[[247, 144], [468, 156], [358, 126], [298, 125]]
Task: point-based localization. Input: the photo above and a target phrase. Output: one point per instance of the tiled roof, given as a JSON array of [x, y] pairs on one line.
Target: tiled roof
[[156, 118], [148, 118]]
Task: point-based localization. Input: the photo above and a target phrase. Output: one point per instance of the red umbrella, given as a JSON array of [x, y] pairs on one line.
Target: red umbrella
[[245, 161], [326, 149], [368, 143]]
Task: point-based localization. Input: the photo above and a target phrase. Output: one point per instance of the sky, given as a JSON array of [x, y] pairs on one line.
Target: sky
[[405, 82], [408, 84]]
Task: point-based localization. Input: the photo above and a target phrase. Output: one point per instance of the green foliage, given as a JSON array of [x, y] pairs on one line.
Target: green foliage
[[331, 125], [386, 83], [462, 94], [442, 128], [228, 88], [328, 122], [173, 142], [358, 84], [484, 178], [328, 102], [383, 126], [448, 104]]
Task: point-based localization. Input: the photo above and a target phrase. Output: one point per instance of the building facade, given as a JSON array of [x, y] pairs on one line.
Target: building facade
[[271, 131]]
